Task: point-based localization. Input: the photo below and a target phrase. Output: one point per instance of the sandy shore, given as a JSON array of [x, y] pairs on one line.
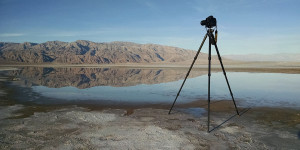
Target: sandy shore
[[265, 67], [227, 64]]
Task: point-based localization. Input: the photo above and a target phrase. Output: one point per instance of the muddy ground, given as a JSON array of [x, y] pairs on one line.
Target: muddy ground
[[82, 128]]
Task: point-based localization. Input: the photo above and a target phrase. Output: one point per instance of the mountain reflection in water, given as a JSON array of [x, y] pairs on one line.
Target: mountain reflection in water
[[89, 77], [120, 86]]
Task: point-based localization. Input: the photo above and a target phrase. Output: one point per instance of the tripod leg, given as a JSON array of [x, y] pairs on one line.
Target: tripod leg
[[224, 72], [209, 74], [189, 71]]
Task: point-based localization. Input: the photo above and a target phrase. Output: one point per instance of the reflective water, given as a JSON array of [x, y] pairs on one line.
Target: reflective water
[[153, 86]]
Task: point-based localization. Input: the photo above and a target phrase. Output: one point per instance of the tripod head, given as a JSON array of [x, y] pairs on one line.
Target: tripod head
[[210, 22]]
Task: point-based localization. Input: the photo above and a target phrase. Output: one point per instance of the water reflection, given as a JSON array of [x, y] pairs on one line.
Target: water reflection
[[195, 111], [90, 77], [155, 86]]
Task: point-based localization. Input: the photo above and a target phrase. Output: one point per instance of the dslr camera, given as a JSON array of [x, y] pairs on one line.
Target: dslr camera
[[209, 22]]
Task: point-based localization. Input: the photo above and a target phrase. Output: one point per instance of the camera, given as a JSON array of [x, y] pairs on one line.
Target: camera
[[209, 22]]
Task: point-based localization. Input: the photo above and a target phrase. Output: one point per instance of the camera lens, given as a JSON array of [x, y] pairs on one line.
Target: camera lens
[[203, 22]]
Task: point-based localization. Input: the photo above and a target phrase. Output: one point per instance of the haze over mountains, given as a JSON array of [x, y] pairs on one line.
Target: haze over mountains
[[283, 57], [87, 52]]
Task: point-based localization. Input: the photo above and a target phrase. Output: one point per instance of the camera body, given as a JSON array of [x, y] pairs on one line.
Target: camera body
[[209, 22]]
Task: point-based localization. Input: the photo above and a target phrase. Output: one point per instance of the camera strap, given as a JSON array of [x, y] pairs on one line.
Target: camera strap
[[216, 35]]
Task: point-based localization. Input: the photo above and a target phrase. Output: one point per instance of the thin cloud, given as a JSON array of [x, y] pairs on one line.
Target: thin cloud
[[150, 5], [11, 34]]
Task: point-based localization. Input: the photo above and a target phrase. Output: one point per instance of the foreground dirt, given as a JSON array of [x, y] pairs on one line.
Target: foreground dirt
[[81, 128]]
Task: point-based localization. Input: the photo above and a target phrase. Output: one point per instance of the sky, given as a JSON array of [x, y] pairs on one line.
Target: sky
[[244, 26]]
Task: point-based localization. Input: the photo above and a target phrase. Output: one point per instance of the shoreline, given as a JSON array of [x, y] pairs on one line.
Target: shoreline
[[234, 64], [278, 67]]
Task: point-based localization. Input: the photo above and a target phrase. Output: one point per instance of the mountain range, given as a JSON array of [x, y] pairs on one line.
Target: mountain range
[[87, 52]]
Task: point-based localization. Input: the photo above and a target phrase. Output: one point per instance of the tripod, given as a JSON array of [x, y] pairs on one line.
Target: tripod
[[212, 41]]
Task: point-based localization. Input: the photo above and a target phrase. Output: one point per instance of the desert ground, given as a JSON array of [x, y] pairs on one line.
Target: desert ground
[[145, 128], [149, 127]]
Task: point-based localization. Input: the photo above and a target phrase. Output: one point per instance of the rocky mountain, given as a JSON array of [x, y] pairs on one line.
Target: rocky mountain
[[87, 52]]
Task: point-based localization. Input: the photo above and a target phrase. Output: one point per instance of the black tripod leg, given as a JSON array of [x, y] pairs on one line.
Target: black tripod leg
[[189, 71], [209, 74], [220, 59]]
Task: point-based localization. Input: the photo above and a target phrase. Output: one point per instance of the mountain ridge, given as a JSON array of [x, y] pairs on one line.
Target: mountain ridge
[[88, 52]]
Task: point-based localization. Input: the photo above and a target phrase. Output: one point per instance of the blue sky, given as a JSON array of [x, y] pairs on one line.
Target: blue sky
[[245, 26]]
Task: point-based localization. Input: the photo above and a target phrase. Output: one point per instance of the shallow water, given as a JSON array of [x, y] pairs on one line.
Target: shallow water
[[151, 86]]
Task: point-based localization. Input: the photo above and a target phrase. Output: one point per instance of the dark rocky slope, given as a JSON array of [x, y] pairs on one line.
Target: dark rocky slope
[[87, 52]]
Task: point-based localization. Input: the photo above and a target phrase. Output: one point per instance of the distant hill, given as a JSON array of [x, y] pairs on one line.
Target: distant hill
[[87, 52], [283, 57]]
